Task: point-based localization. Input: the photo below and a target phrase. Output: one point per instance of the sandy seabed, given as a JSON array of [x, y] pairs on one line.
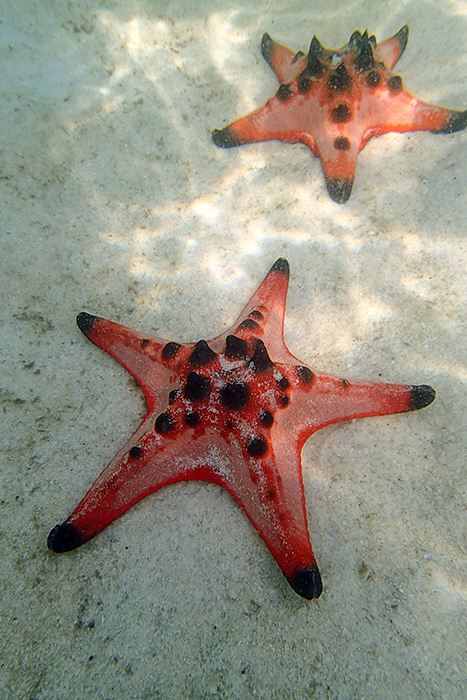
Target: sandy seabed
[[114, 200]]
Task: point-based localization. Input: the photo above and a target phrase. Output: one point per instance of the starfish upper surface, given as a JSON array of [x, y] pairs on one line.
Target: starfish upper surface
[[335, 101], [235, 411]]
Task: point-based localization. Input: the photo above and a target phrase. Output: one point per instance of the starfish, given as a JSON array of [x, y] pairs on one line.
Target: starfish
[[335, 101], [235, 411]]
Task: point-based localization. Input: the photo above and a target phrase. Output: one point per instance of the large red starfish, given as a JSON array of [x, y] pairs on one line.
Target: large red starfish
[[235, 411], [335, 101]]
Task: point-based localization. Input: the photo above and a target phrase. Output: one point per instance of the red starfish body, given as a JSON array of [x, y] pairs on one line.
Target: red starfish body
[[234, 411], [335, 101]]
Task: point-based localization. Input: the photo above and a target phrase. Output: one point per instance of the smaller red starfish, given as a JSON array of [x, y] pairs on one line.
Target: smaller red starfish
[[235, 411], [335, 101]]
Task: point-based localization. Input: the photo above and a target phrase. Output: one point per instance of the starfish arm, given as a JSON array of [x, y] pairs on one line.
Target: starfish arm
[[403, 112], [139, 354], [338, 168], [270, 490], [284, 62], [147, 463], [128, 478], [438, 120], [326, 399], [263, 315], [392, 49], [273, 120]]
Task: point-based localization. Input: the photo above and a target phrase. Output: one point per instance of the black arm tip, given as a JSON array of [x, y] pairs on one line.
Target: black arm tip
[[307, 583], [63, 538], [267, 46], [281, 265], [339, 190], [224, 138], [402, 37], [85, 322], [456, 122], [422, 396]]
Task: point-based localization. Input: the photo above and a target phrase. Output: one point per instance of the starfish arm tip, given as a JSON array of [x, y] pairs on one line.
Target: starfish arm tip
[[281, 265], [402, 36], [224, 138], [85, 322], [307, 583], [63, 538], [339, 190], [456, 121], [421, 397], [267, 46]]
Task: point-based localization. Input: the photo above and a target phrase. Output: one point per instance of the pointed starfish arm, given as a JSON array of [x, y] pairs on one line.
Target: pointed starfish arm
[[263, 315], [272, 121], [281, 519], [139, 354], [439, 120], [284, 62], [328, 399], [147, 463], [339, 170], [270, 491], [403, 112], [391, 50]]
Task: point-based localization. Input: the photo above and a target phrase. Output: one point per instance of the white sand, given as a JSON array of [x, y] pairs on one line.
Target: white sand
[[116, 201]]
